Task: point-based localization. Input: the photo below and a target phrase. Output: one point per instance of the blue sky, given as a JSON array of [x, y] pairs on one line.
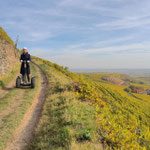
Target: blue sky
[[81, 33]]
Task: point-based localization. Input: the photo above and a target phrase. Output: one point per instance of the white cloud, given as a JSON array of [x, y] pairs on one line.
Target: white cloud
[[136, 47], [130, 22]]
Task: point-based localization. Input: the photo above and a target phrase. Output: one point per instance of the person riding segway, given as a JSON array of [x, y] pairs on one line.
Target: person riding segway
[[24, 80], [25, 67]]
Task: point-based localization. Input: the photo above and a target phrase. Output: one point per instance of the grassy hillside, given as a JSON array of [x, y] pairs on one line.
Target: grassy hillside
[[66, 122], [81, 112], [124, 118], [4, 37]]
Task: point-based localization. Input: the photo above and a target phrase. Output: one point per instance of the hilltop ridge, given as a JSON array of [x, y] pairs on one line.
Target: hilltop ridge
[[4, 38]]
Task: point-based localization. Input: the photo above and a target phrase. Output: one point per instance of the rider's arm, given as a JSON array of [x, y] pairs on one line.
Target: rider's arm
[[21, 59], [29, 59]]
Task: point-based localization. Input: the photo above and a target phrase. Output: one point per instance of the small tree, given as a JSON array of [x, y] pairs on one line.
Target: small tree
[[127, 90], [66, 68]]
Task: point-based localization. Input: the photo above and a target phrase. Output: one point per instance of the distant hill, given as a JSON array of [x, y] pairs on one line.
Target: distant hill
[[114, 80], [124, 71], [4, 38]]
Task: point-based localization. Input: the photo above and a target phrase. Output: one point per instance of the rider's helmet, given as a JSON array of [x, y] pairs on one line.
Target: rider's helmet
[[24, 48]]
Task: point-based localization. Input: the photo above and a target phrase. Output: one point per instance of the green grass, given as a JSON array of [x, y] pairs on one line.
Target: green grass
[[52, 132]]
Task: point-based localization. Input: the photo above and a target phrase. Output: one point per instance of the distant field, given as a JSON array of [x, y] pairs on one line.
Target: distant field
[[125, 71]]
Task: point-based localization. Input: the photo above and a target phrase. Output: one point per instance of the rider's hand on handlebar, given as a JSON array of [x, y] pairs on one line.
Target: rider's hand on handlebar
[[24, 61]]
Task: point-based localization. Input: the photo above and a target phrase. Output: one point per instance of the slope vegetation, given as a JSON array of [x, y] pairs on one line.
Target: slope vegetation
[[4, 37], [98, 114], [66, 122]]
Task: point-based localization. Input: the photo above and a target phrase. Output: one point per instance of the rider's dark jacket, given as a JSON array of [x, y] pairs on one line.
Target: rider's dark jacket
[[25, 57]]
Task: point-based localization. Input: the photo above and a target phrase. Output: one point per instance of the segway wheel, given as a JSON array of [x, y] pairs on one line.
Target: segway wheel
[[18, 82], [33, 82]]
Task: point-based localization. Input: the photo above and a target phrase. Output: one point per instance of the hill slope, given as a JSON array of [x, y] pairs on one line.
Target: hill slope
[[4, 37], [66, 122]]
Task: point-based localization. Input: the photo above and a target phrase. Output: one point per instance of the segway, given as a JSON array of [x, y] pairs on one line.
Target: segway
[[22, 79]]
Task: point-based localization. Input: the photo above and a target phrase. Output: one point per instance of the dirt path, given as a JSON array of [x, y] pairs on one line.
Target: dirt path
[[18, 99], [24, 132]]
